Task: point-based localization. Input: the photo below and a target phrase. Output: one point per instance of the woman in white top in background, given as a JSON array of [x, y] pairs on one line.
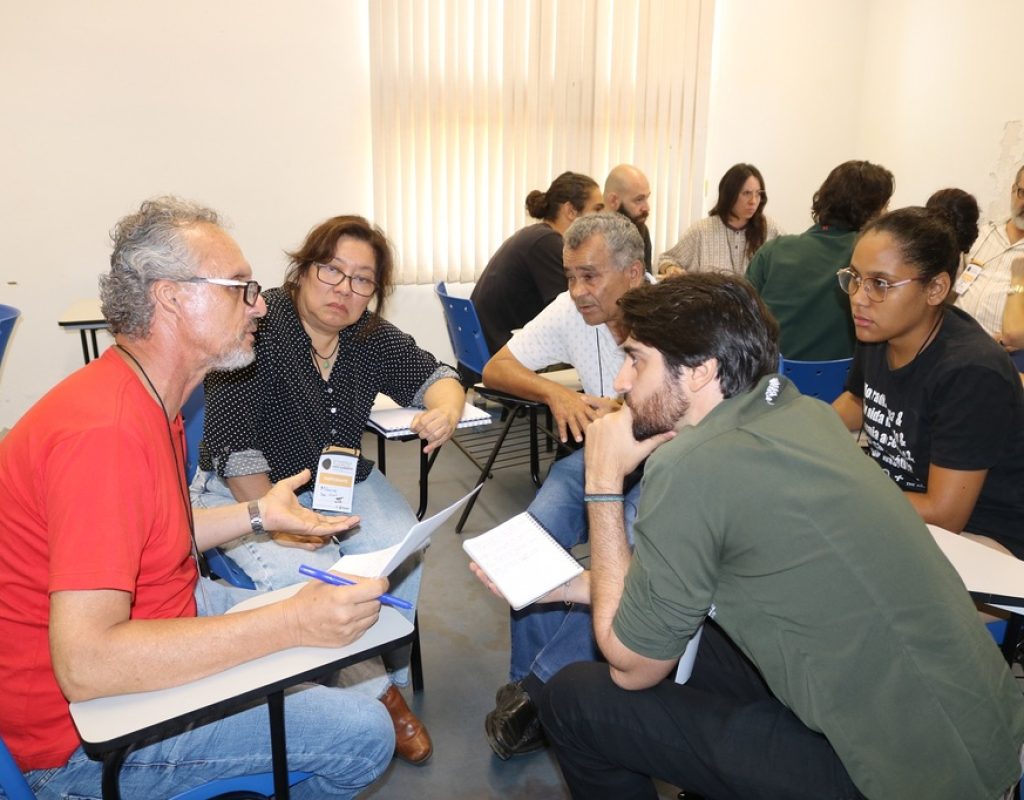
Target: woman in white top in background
[[734, 229]]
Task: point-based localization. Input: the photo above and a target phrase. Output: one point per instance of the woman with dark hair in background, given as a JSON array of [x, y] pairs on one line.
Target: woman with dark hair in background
[[938, 400], [525, 273], [796, 274], [733, 231]]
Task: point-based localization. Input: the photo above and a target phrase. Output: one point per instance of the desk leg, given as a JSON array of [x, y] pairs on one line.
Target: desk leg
[[381, 454], [425, 463], [111, 771], [85, 345], [95, 346], [278, 746]]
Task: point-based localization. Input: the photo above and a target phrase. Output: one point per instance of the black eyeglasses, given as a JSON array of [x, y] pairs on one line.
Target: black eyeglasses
[[875, 288], [332, 276], [250, 289]]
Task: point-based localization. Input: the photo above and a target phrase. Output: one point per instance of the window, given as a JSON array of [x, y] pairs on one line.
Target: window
[[477, 102]]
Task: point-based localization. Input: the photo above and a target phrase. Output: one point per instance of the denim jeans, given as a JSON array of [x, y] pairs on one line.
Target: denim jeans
[[385, 518], [546, 637], [345, 738]]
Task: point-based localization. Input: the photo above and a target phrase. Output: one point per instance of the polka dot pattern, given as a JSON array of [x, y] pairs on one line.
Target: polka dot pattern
[[281, 407]]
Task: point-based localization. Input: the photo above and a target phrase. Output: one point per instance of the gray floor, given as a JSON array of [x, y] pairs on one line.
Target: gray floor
[[464, 634]]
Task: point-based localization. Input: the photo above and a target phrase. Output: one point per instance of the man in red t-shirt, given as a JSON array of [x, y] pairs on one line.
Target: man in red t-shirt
[[97, 542]]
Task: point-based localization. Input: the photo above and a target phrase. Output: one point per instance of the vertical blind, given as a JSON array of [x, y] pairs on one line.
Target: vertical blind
[[477, 102]]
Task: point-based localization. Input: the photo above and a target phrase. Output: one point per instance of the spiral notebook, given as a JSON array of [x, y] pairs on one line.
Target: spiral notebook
[[394, 422], [522, 559]]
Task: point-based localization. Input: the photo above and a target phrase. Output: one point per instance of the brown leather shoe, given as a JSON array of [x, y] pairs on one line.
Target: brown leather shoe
[[412, 742]]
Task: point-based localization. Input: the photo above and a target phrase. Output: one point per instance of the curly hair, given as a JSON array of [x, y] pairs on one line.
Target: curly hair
[[148, 247], [852, 194]]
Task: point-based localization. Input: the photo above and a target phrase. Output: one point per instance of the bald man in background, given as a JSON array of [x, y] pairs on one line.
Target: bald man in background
[[627, 191]]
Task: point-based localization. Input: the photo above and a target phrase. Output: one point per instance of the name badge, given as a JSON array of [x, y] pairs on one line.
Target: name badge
[[335, 479], [967, 277]]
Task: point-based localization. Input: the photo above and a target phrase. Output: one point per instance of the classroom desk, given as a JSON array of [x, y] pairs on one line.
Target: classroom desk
[[85, 317], [380, 403], [993, 578], [110, 726]]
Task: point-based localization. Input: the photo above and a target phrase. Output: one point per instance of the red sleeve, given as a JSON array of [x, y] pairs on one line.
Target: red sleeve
[[99, 517]]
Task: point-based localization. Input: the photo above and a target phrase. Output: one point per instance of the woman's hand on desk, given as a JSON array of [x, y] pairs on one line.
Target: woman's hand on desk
[[293, 525], [321, 615], [435, 426]]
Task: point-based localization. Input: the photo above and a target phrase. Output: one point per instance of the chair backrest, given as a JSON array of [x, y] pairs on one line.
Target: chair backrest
[[464, 330], [822, 379], [8, 316], [11, 780], [193, 413]]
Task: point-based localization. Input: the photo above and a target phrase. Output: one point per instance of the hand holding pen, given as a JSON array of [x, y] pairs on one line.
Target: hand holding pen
[[337, 580]]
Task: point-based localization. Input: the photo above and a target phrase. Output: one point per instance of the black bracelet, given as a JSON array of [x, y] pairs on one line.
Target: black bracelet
[[603, 498]]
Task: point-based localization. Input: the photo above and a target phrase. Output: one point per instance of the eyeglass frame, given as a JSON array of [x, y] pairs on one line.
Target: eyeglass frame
[[351, 278], [862, 282], [1019, 191], [250, 289], [760, 193]]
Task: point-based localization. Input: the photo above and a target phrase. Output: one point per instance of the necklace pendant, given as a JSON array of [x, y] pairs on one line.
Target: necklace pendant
[[327, 365]]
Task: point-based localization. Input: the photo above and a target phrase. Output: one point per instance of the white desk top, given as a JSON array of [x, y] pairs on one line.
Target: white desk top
[[107, 719], [990, 576], [83, 313]]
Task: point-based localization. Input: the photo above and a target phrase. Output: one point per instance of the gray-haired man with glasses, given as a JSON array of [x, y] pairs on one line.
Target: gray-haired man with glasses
[[98, 544]]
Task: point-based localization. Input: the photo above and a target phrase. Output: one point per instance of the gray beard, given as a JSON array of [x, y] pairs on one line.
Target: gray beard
[[236, 359]]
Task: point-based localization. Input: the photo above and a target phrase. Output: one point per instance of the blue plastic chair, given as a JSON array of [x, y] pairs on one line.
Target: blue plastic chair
[[193, 413], [464, 331], [472, 353], [261, 783], [8, 316], [822, 379]]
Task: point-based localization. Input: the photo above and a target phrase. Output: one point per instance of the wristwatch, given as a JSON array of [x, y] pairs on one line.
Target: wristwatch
[[255, 518], [1016, 288]]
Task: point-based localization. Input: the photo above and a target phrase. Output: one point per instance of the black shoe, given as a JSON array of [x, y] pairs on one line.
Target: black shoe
[[513, 728]]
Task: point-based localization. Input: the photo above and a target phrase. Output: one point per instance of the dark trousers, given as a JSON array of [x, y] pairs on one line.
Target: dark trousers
[[722, 734]]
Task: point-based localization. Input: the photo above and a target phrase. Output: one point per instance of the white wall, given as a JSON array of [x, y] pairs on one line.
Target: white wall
[[929, 90], [261, 109], [944, 102], [785, 96]]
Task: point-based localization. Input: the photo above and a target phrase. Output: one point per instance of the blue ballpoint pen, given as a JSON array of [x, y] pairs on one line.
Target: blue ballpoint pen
[[337, 580]]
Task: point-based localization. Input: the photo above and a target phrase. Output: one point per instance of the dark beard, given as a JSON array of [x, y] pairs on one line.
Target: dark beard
[[660, 413]]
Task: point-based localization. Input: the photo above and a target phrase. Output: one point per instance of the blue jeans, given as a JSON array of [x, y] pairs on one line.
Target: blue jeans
[[547, 637], [385, 518], [346, 739]]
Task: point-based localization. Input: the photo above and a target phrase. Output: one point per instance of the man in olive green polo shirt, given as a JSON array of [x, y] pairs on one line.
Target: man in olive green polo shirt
[[845, 658]]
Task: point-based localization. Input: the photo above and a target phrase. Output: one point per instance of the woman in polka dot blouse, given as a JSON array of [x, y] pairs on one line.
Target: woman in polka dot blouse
[[322, 356]]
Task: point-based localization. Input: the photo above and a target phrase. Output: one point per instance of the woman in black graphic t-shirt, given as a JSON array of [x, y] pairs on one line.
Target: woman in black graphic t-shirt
[[939, 401]]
